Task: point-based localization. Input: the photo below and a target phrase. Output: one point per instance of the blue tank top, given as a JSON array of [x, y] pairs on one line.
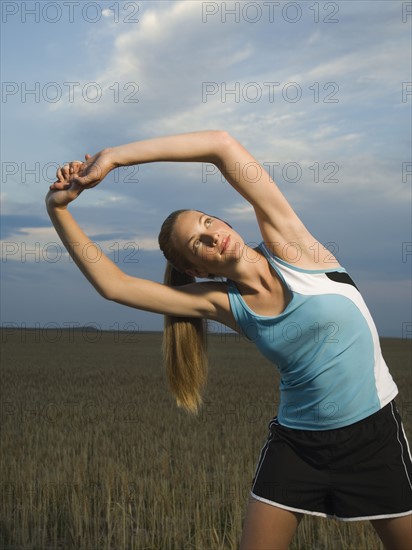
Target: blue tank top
[[325, 345]]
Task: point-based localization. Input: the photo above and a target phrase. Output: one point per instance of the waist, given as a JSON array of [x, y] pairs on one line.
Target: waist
[[331, 409]]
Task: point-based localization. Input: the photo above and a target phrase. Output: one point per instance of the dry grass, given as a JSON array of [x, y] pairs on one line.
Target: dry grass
[[95, 455]]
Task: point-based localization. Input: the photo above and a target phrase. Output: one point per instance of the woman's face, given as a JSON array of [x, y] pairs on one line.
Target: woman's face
[[207, 243]]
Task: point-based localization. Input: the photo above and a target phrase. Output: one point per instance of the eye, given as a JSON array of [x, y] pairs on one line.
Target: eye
[[196, 244], [208, 221]]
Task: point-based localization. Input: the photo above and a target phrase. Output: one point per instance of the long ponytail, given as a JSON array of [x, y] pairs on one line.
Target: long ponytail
[[184, 351], [184, 338]]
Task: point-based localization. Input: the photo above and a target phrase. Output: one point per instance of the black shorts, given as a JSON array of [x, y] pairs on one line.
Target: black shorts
[[362, 471]]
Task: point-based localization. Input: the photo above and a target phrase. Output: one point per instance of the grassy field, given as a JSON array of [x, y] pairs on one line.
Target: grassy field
[[96, 456]]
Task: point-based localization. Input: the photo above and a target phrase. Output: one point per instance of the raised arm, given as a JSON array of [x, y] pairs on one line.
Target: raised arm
[[278, 222], [193, 300], [192, 147]]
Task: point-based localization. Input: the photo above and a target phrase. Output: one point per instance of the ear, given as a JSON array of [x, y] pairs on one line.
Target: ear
[[196, 273]]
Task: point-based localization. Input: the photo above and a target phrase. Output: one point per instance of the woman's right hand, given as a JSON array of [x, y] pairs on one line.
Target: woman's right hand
[[85, 174], [68, 189], [59, 199]]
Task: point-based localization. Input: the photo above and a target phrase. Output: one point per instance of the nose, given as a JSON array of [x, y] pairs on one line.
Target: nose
[[210, 239]]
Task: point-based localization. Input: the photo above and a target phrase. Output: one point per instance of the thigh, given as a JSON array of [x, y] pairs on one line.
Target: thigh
[[395, 533], [267, 527]]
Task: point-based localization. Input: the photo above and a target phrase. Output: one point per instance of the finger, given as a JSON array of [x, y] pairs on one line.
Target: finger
[[75, 165], [59, 174], [66, 171], [57, 186], [60, 184], [63, 171]]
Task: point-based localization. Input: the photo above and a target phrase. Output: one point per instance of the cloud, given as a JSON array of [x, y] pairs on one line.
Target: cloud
[[356, 75], [20, 224], [271, 84], [240, 210]]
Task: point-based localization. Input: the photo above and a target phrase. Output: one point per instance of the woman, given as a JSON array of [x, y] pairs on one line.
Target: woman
[[337, 447]]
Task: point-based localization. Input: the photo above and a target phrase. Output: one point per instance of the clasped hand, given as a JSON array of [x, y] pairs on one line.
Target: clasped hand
[[86, 174], [76, 176]]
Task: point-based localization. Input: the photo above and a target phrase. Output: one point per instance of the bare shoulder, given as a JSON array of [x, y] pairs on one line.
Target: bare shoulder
[[297, 246], [290, 240], [216, 294]]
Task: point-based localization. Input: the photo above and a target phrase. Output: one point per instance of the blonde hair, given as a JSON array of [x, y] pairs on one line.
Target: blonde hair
[[184, 338]]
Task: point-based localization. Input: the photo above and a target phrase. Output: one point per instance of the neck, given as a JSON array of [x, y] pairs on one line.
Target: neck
[[252, 271]]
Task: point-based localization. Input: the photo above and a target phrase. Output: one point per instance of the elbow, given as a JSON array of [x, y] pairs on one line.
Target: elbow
[[223, 141], [111, 290], [106, 293], [223, 137]]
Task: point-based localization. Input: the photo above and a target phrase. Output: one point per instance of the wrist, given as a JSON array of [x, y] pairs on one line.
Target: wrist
[[51, 206], [55, 210], [111, 153]]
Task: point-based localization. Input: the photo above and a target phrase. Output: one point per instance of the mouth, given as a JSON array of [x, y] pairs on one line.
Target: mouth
[[225, 244]]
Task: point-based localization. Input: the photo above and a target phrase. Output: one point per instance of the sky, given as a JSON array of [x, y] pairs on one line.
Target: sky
[[319, 92]]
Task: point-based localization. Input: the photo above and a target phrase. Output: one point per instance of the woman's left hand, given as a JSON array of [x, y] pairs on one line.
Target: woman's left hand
[[65, 173], [88, 173]]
